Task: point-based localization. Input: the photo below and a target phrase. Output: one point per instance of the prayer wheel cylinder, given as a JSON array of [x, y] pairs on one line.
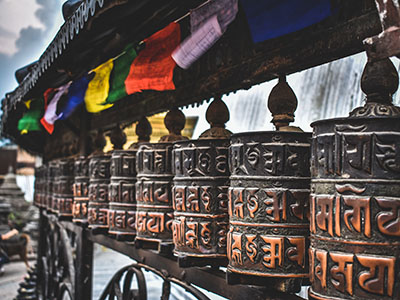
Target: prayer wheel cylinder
[[154, 215], [269, 200], [53, 178], [65, 187], [122, 207], [200, 192], [52, 171], [39, 185], [153, 193], [99, 180], [81, 190], [355, 196]]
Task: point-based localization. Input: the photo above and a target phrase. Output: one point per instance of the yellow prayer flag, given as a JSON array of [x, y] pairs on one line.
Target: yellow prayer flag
[[98, 88]]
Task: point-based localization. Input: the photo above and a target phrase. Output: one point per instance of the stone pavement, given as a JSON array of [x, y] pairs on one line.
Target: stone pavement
[[9, 282]]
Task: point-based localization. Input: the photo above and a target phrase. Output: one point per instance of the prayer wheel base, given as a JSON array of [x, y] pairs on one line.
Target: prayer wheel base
[[191, 261], [285, 285], [163, 248], [98, 230], [122, 237]]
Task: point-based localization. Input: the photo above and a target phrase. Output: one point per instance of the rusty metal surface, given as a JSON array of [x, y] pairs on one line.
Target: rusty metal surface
[[153, 193], [122, 207], [52, 173], [81, 190], [200, 197], [268, 204], [355, 225], [99, 172], [40, 186]]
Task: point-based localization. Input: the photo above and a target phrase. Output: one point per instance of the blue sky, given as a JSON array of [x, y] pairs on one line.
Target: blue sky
[[26, 28]]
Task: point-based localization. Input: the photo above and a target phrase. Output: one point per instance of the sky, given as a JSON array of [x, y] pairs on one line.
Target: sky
[[26, 29]]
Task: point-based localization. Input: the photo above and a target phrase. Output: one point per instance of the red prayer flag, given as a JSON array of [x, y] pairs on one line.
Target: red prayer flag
[[153, 68]]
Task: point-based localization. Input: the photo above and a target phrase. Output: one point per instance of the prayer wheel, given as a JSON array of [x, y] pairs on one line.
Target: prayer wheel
[[81, 190], [355, 196], [53, 187], [99, 180], [39, 186], [153, 187], [200, 192], [122, 196], [65, 181], [268, 200]]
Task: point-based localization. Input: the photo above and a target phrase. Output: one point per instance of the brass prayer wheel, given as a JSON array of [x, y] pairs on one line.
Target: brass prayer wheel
[[355, 198], [122, 195], [81, 190], [99, 179], [39, 185], [65, 181], [200, 192], [53, 189], [153, 187], [268, 200]]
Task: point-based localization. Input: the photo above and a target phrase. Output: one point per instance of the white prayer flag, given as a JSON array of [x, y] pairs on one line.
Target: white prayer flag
[[198, 43]]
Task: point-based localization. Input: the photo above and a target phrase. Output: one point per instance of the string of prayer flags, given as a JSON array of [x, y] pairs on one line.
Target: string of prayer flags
[[30, 119], [119, 74], [76, 96], [208, 23], [274, 18], [153, 68], [98, 88], [50, 115]]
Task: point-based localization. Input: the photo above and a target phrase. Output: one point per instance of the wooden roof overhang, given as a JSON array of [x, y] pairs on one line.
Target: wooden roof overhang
[[235, 62]]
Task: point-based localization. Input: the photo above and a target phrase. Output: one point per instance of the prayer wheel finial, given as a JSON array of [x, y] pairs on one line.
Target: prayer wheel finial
[[282, 102], [175, 122], [379, 82], [217, 115], [99, 142], [143, 131], [117, 137]]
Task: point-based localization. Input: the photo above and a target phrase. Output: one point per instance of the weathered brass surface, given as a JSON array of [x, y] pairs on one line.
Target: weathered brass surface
[[81, 190], [122, 207], [355, 203], [200, 191], [65, 181], [268, 199], [154, 183], [99, 172]]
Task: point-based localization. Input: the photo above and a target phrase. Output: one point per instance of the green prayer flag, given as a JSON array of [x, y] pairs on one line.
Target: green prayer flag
[[30, 121], [119, 73]]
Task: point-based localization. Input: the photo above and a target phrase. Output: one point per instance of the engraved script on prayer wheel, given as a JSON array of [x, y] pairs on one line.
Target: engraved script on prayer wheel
[[268, 199], [81, 190], [355, 196], [53, 188], [154, 182], [200, 192], [99, 179], [122, 207], [65, 183], [40, 184]]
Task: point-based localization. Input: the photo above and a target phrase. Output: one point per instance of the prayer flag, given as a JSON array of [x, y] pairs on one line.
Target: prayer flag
[[30, 119], [98, 88], [225, 10], [208, 23], [119, 74], [153, 68], [50, 115], [274, 18], [76, 96]]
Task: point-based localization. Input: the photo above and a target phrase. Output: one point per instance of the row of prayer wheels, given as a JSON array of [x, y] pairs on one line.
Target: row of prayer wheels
[[279, 207]]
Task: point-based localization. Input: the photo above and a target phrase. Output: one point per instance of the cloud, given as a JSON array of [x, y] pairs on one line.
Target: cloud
[[32, 40]]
